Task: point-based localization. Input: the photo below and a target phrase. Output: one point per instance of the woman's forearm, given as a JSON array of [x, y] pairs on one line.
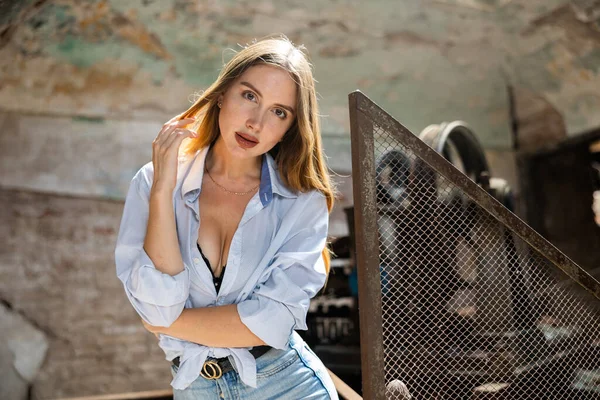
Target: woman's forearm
[[211, 326], [161, 242]]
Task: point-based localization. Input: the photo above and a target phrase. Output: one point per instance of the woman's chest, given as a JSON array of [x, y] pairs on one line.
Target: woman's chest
[[220, 214], [247, 253]]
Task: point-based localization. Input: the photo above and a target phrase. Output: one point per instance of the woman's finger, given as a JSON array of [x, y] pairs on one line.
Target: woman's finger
[[177, 137], [183, 122], [168, 128], [163, 135], [175, 118], [185, 133], [169, 140]]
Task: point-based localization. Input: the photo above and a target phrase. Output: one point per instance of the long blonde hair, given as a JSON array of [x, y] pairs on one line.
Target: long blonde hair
[[299, 155]]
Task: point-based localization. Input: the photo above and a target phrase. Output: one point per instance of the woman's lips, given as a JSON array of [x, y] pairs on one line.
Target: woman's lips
[[245, 141]]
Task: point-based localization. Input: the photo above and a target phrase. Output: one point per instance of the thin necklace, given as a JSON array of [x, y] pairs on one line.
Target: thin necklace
[[229, 191]]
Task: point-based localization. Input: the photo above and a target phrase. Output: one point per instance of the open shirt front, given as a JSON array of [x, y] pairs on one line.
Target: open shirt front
[[274, 265]]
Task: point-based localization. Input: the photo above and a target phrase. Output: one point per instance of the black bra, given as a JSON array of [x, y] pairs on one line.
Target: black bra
[[217, 280]]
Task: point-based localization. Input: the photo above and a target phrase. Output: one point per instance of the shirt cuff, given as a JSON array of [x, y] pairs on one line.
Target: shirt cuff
[[149, 285], [269, 320]]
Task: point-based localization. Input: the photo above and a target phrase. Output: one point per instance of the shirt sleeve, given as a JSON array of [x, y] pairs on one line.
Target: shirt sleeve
[[279, 305], [157, 297]]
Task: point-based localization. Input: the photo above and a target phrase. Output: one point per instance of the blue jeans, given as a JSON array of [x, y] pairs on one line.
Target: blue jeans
[[294, 373]]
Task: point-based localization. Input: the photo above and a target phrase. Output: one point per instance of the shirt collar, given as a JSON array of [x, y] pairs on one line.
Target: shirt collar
[[270, 180]]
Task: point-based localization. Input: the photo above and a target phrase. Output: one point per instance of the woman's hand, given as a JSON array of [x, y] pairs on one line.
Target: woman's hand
[[165, 152]]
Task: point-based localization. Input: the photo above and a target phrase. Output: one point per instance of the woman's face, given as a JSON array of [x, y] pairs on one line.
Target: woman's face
[[257, 110]]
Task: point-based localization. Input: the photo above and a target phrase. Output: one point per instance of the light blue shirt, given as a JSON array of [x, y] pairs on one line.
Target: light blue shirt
[[273, 269]]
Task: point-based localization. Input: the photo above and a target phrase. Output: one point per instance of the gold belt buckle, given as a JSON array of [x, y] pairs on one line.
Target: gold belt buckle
[[211, 370]]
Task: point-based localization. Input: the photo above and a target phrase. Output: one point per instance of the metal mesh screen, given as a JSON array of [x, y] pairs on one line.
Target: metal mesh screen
[[469, 309]]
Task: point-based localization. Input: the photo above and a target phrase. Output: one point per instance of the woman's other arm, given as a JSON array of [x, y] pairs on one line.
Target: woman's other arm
[[211, 326]]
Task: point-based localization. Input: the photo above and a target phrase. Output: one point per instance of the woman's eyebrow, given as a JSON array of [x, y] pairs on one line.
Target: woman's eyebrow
[[248, 84]]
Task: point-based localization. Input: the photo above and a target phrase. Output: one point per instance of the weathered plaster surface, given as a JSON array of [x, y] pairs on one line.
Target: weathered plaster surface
[[114, 69], [424, 61], [75, 157]]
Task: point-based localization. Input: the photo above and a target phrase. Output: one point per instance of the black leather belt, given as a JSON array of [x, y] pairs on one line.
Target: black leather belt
[[214, 368]]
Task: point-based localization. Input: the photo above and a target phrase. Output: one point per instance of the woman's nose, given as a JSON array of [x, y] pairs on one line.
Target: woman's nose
[[255, 120]]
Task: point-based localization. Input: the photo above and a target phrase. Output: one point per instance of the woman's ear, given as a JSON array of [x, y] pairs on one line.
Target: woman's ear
[[220, 100]]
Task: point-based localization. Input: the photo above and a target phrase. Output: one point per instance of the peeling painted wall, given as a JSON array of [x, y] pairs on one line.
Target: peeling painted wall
[[424, 61]]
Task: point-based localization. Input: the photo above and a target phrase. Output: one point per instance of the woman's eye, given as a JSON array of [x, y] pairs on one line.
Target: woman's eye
[[249, 96], [280, 113]]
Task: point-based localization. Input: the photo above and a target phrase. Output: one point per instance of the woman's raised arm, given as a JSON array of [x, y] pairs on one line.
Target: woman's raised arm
[[147, 254]]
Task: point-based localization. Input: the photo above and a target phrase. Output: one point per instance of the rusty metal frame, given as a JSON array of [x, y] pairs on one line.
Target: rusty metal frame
[[363, 113], [367, 251]]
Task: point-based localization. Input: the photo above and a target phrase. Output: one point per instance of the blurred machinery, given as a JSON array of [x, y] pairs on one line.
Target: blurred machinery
[[467, 308]]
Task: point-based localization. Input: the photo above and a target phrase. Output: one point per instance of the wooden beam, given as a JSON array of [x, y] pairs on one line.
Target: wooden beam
[[345, 391], [150, 394]]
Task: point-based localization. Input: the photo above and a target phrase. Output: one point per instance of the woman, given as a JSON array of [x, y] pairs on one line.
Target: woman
[[221, 249]]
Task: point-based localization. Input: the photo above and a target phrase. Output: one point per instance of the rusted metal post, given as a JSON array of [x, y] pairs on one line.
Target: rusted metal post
[[367, 253]]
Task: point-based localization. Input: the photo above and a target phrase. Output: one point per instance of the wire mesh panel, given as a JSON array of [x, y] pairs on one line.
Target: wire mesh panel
[[470, 301]]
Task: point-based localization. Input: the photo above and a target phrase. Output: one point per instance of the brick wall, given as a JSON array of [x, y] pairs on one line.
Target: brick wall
[[57, 270]]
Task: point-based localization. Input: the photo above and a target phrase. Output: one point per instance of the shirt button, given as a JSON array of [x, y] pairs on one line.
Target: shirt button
[[196, 260]]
